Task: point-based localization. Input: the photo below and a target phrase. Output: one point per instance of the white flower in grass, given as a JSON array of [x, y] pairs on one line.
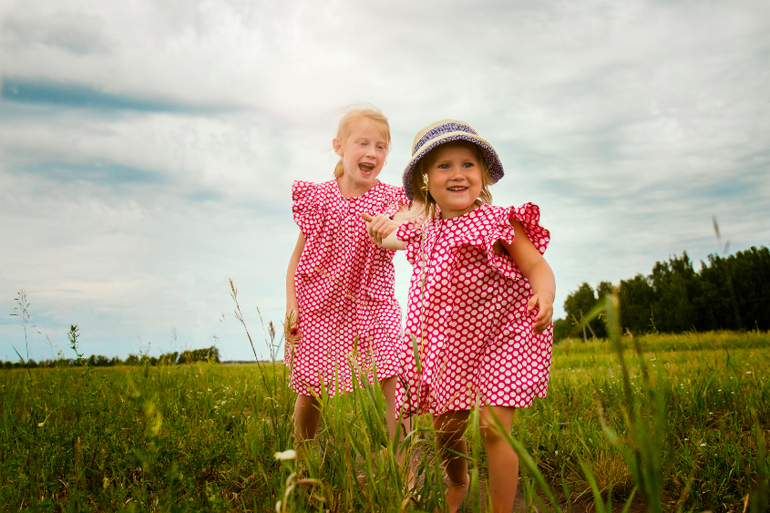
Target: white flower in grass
[[286, 455]]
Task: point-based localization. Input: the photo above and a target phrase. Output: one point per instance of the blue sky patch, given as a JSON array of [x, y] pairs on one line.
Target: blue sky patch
[[104, 173], [80, 96]]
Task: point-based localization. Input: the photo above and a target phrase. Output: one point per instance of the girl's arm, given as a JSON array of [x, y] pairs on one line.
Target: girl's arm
[[382, 230], [534, 268], [291, 331]]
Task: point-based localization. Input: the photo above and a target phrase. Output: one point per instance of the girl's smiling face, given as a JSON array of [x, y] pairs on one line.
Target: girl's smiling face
[[454, 177], [363, 154]]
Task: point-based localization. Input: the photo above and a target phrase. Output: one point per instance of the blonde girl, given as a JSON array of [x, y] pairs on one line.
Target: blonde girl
[[342, 319], [480, 303]]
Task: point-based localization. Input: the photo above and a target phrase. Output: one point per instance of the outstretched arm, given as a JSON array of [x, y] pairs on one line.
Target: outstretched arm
[[534, 267], [382, 231], [291, 331]]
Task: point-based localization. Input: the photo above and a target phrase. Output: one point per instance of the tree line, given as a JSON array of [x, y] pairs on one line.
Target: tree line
[[209, 354], [726, 293]]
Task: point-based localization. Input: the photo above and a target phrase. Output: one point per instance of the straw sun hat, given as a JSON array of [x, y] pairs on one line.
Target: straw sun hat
[[445, 131]]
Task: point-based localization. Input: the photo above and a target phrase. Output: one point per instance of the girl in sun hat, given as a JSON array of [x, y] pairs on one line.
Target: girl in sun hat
[[343, 322], [480, 302]]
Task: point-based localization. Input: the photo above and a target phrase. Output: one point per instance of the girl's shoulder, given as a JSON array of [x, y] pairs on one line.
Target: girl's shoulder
[[304, 187], [303, 192], [392, 193], [526, 214], [483, 218], [390, 189], [491, 222], [310, 201]]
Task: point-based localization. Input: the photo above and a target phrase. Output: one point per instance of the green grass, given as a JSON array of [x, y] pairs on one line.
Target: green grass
[[203, 437], [713, 395]]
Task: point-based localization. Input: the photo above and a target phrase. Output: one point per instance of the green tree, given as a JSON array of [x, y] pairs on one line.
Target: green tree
[[580, 303], [675, 286], [735, 291], [636, 297], [604, 289], [562, 328]]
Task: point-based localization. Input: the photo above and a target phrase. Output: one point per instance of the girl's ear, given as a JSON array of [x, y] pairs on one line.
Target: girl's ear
[[337, 145]]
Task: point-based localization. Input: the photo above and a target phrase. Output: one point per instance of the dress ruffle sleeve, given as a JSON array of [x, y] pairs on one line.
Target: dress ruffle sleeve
[[399, 200], [529, 217], [411, 233], [305, 203]]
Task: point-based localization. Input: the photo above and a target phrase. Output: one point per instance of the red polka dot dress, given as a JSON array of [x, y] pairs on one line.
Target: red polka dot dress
[[349, 318], [467, 313]]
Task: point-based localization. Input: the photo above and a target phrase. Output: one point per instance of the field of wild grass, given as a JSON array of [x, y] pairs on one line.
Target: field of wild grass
[[678, 423]]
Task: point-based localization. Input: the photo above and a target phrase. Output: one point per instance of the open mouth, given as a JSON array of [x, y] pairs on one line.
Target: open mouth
[[366, 168], [457, 189]]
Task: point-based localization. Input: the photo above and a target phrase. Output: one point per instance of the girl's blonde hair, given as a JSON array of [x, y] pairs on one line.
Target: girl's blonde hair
[[423, 203], [353, 116]]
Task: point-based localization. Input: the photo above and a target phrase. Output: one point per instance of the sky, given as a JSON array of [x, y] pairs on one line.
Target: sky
[[147, 148]]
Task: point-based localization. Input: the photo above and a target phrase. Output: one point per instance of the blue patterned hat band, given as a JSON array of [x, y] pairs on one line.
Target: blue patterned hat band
[[443, 132]]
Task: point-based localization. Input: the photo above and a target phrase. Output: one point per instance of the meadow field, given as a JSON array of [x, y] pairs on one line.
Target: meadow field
[[653, 423]]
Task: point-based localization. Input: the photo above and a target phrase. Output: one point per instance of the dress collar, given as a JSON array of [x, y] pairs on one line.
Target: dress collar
[[351, 199]]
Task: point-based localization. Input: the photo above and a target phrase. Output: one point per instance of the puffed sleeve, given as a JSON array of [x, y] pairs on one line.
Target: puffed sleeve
[[304, 207], [396, 200], [410, 233], [529, 217]]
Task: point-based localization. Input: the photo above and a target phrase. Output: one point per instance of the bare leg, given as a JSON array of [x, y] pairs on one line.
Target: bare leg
[[307, 415], [501, 458], [388, 386], [450, 427], [403, 455], [397, 427]]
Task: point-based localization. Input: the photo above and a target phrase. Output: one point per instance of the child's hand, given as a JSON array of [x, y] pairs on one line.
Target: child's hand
[[379, 227], [544, 315], [291, 325]]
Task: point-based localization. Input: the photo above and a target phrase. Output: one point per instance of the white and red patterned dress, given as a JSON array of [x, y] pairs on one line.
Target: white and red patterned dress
[[467, 313], [349, 318]]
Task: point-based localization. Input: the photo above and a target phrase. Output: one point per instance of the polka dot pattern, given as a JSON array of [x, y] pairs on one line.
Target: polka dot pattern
[[467, 315], [348, 315]]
